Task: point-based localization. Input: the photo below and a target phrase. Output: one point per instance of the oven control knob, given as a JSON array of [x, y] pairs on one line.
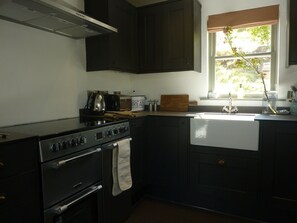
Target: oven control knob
[[82, 140], [64, 145], [115, 131], [54, 147], [109, 133], [73, 142], [122, 129]]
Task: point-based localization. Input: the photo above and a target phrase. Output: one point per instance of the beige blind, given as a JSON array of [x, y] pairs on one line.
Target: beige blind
[[245, 18]]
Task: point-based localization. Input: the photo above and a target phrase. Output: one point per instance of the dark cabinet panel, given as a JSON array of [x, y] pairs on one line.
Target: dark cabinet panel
[[166, 149], [116, 51], [20, 195], [137, 157], [169, 37], [279, 171], [223, 180], [150, 33], [293, 33]]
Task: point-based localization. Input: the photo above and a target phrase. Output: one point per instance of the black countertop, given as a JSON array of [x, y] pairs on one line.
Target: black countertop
[[54, 128]]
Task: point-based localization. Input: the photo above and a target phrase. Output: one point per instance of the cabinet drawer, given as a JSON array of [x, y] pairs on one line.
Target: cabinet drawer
[[18, 157], [234, 173], [224, 182]]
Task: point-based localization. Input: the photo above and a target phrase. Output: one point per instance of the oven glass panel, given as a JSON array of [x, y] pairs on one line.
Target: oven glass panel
[[86, 211]]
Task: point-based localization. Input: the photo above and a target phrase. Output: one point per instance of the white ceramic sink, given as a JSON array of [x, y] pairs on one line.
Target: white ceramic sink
[[235, 131]]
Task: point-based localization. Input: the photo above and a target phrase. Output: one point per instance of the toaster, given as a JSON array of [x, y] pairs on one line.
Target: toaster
[[125, 103]]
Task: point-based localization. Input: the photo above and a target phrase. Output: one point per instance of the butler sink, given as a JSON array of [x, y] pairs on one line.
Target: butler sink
[[234, 131]]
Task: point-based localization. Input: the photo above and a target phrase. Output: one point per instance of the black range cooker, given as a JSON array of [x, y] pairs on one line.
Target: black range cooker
[[71, 162]]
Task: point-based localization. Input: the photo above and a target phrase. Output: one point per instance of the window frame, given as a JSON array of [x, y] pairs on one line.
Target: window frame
[[274, 65]]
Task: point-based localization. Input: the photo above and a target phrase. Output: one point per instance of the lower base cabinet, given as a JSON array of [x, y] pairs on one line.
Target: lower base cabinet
[[166, 149], [20, 194], [224, 180], [279, 175]]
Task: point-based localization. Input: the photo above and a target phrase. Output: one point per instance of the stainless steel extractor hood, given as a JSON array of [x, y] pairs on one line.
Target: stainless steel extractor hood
[[53, 16]]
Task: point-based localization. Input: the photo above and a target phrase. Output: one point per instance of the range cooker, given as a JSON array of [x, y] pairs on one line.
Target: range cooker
[[72, 162]]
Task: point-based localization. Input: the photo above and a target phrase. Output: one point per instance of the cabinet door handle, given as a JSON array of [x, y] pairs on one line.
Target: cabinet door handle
[[221, 162], [2, 198]]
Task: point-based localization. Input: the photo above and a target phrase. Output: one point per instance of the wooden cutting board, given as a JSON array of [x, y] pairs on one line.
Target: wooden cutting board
[[177, 102]]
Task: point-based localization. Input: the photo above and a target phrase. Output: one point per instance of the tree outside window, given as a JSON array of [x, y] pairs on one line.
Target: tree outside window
[[255, 42]]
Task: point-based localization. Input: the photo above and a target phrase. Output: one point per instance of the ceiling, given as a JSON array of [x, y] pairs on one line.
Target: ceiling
[[139, 3]]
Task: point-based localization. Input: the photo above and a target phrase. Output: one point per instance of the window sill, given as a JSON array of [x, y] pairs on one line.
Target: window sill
[[236, 99], [247, 102]]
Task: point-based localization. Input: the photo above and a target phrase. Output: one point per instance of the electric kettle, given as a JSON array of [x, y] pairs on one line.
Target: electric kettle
[[96, 103]]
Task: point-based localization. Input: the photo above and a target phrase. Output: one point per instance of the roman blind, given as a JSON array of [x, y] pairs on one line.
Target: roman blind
[[245, 18]]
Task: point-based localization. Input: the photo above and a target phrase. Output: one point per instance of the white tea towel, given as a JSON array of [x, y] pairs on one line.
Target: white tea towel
[[122, 179]]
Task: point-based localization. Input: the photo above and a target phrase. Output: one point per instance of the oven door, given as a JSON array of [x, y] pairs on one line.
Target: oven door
[[116, 209], [85, 206], [63, 177]]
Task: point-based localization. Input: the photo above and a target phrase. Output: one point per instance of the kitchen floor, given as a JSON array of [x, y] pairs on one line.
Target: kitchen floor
[[154, 211]]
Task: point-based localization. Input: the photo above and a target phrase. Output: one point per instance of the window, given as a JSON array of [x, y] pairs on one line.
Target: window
[[255, 42], [254, 34]]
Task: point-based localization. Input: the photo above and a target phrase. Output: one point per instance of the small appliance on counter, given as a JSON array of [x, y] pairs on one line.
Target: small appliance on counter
[[117, 102], [112, 102], [125, 103], [138, 102], [96, 102]]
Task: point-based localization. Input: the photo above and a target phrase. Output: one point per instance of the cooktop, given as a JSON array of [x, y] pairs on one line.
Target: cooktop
[[58, 127]]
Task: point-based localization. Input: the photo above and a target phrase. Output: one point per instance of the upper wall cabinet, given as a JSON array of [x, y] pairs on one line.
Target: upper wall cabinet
[[115, 51], [170, 37], [293, 33]]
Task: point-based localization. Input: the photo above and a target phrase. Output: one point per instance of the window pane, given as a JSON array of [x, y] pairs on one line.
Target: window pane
[[229, 78], [248, 40]]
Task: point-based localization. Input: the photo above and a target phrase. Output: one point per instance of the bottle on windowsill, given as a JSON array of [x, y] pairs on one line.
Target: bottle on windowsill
[[240, 92]]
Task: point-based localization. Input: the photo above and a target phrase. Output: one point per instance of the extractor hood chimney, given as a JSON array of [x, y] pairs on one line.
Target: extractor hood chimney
[[54, 16]]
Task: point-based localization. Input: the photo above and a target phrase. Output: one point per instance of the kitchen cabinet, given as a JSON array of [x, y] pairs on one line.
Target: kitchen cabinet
[[116, 51], [166, 148], [224, 180], [170, 37], [20, 196], [293, 32], [279, 153], [137, 157]]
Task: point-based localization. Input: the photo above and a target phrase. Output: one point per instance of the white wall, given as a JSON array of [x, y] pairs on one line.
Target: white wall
[[43, 77], [196, 84]]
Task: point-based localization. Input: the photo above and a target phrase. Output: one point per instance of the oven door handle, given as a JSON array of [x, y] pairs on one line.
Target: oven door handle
[[116, 144], [61, 209], [63, 162]]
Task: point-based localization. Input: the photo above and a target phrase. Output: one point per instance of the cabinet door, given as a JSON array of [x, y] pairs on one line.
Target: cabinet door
[[178, 36], [279, 171], [293, 33], [20, 200], [123, 45], [117, 51], [223, 181], [167, 139], [137, 157], [150, 37]]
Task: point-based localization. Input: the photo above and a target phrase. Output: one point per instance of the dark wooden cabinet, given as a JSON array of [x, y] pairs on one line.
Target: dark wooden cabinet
[[20, 196], [170, 37], [117, 51], [137, 126], [224, 180], [293, 33], [150, 32], [279, 153], [166, 149]]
